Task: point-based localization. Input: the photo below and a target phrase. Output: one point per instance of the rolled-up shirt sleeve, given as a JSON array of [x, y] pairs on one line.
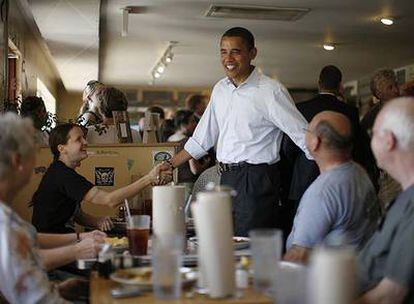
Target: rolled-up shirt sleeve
[[287, 117], [206, 134]]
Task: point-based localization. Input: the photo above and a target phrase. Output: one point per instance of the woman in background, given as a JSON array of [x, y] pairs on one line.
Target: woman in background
[[89, 113], [105, 132]]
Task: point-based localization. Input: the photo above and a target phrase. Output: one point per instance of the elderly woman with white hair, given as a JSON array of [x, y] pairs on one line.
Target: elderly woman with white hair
[[22, 277]]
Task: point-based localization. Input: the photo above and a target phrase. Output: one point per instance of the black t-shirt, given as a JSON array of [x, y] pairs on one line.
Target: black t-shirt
[[57, 199]]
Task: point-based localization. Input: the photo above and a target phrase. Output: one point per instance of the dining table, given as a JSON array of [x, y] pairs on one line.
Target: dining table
[[100, 293]]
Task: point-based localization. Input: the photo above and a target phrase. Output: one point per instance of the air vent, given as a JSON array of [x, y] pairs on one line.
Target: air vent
[[256, 12]]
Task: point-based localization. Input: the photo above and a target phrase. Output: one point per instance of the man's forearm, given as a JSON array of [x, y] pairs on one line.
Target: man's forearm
[[386, 292], [297, 254], [180, 158]]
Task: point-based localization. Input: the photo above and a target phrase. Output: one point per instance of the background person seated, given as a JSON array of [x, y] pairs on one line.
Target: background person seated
[[105, 132], [188, 172], [57, 201], [34, 108], [342, 200], [197, 104], [386, 263], [21, 267]]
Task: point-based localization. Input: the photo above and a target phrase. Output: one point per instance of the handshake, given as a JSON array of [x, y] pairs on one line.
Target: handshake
[[161, 174]]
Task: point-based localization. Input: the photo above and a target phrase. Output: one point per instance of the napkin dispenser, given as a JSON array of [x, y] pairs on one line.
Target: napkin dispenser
[[214, 228]]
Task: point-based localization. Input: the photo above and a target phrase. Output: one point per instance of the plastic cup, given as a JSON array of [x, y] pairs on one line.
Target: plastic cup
[[138, 233], [266, 248], [290, 284], [166, 262]]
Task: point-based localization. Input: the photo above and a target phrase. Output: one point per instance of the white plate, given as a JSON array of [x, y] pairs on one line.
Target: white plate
[[142, 276], [239, 242]]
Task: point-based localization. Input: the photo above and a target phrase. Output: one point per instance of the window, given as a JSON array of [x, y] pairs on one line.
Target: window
[[44, 93]]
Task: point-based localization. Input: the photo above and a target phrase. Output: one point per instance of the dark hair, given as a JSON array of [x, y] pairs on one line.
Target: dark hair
[[30, 105], [407, 89], [193, 101], [380, 75], [330, 78], [34, 108], [332, 139], [241, 32], [114, 100], [94, 82], [157, 109], [60, 136], [167, 129], [182, 117]]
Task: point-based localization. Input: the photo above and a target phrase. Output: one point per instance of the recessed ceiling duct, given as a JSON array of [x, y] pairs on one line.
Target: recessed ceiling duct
[[255, 12]]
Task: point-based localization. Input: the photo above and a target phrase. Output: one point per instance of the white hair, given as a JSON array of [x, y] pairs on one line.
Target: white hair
[[398, 118], [16, 137]]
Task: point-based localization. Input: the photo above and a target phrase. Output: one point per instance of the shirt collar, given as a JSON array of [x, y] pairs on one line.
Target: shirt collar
[[253, 79], [327, 93]]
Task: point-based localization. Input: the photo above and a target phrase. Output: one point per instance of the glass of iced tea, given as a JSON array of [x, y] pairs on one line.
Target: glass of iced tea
[[138, 232]]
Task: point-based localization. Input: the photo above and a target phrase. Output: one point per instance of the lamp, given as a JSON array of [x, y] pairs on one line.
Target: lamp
[[125, 14], [166, 58], [329, 46], [387, 21]]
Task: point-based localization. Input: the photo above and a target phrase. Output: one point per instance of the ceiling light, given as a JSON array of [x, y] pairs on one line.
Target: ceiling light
[[387, 21], [328, 46], [165, 59], [125, 12], [168, 58], [160, 69]]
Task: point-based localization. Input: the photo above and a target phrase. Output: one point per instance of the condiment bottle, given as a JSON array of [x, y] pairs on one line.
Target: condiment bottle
[[242, 273], [105, 261]]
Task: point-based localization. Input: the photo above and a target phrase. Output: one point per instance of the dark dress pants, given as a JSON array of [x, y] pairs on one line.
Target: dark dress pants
[[257, 203]]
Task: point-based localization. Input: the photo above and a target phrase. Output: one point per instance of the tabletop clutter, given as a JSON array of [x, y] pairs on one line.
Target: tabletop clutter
[[224, 268]]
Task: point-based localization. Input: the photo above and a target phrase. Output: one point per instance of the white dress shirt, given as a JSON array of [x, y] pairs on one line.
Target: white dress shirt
[[247, 122]]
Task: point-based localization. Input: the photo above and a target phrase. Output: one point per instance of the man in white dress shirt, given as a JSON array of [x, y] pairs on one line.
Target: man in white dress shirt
[[245, 119]]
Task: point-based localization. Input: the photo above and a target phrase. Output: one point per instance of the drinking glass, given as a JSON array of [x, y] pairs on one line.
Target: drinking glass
[[291, 284], [167, 253], [266, 248], [138, 232]]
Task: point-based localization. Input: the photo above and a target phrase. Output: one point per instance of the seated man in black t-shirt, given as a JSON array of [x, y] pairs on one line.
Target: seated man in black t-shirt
[[57, 201]]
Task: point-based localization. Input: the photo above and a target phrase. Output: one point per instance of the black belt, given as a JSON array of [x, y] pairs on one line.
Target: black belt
[[222, 167], [231, 167]]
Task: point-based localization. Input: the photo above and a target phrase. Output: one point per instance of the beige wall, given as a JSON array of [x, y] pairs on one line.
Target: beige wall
[[37, 62], [69, 105]]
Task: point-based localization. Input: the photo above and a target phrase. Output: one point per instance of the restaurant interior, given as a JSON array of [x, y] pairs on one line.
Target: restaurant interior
[[181, 191]]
